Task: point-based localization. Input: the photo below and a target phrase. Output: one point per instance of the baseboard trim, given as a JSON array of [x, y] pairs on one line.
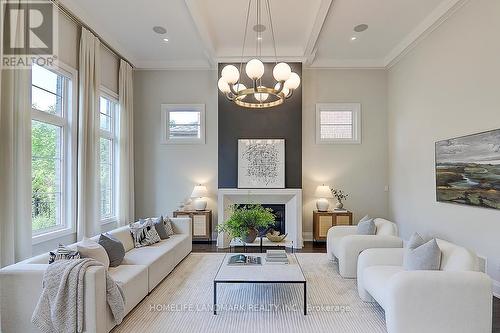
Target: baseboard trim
[[496, 288]]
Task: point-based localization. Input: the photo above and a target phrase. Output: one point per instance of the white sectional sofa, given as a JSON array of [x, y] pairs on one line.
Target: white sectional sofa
[[140, 272], [344, 244], [455, 299]]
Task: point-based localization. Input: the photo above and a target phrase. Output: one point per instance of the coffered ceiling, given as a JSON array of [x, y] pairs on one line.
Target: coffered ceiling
[[318, 33]]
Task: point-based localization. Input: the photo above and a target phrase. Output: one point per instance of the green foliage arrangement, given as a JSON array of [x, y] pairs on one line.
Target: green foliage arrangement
[[246, 217], [339, 194]]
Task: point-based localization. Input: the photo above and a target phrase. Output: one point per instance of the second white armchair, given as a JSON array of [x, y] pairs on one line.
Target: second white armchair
[[345, 244]]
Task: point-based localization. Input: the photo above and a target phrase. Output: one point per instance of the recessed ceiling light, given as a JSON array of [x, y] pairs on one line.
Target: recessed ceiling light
[[159, 30], [353, 38], [361, 27], [165, 39], [259, 28], [259, 38]]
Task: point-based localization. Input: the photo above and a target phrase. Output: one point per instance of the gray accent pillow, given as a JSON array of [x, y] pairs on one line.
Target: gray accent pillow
[[367, 227], [160, 227], [114, 248], [421, 255], [366, 218]]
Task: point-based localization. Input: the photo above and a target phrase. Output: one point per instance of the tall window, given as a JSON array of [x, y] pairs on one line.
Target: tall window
[[338, 123], [109, 150], [52, 145]]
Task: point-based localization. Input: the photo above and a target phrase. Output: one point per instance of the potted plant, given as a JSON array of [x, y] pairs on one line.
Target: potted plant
[[245, 220], [340, 196]]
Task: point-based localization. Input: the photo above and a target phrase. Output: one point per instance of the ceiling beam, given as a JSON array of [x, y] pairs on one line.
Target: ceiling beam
[[437, 17], [311, 47], [203, 33]]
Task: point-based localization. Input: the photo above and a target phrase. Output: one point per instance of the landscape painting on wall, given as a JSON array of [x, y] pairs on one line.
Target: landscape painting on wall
[[261, 163], [468, 170]]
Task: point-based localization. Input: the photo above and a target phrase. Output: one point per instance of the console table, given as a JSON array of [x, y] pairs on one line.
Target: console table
[[322, 221], [202, 222]]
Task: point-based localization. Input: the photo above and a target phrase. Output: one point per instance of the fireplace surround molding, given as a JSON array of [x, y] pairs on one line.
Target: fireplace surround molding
[[290, 197]]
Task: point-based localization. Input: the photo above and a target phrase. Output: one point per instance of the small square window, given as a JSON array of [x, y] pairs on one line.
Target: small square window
[[183, 123], [338, 123]]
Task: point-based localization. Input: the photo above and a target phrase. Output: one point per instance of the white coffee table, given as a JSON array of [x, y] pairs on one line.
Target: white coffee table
[[265, 273]]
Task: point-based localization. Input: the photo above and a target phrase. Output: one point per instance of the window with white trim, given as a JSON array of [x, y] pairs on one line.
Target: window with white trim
[[53, 148], [183, 123], [338, 123], [108, 148]]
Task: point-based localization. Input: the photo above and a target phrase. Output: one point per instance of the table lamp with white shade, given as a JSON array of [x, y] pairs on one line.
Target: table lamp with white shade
[[200, 192], [323, 193]]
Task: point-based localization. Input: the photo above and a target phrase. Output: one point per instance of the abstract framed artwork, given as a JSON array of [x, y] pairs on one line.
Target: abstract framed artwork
[[468, 170], [261, 163]]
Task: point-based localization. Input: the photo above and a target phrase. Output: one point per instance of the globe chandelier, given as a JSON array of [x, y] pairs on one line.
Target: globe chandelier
[[257, 95]]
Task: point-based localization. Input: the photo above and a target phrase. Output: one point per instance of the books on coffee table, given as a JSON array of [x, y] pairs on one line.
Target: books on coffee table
[[276, 256], [241, 259]]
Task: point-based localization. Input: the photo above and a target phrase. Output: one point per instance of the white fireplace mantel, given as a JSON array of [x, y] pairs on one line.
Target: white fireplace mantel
[[291, 198]]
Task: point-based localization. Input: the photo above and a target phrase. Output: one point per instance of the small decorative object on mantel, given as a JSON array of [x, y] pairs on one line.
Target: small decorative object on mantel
[[275, 236], [261, 163], [323, 193], [468, 169], [340, 196], [200, 192], [245, 220]]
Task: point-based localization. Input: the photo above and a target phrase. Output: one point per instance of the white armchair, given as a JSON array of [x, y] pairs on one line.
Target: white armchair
[[344, 244], [456, 298]]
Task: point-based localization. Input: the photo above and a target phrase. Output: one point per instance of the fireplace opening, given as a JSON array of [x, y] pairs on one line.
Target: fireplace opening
[[279, 223]]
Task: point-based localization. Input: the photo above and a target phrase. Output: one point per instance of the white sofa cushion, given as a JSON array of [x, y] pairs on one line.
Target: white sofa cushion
[[376, 279], [133, 280], [160, 258], [385, 227]]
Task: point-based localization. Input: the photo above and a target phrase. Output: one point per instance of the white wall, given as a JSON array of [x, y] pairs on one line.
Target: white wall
[[360, 170], [448, 86], [166, 174]]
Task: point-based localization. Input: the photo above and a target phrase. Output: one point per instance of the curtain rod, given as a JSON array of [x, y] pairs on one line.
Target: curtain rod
[[79, 22]]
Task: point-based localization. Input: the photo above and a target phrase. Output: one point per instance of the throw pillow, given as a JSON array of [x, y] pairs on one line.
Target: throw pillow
[[365, 218], [114, 248], [144, 234], [90, 249], [63, 253], [367, 227], [168, 226], [421, 255], [160, 227]]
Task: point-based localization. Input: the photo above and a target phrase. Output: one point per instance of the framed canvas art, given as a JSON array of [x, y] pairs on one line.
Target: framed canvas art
[[468, 170], [261, 163]]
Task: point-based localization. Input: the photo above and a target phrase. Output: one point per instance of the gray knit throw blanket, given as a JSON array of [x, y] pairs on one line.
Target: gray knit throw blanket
[[60, 307]]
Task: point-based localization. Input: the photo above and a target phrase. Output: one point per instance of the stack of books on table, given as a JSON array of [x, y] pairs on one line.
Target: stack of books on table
[[276, 257]]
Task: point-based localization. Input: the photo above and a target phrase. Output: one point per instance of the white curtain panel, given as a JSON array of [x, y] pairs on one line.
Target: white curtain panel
[[88, 220], [15, 163], [126, 157]]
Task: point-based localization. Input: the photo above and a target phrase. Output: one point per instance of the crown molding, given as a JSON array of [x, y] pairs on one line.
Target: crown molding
[[83, 16], [437, 17]]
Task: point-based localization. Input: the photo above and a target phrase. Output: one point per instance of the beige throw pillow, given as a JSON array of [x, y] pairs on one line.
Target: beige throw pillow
[[90, 249]]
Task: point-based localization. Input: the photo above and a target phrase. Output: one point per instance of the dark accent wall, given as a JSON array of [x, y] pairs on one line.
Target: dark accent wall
[[279, 122]]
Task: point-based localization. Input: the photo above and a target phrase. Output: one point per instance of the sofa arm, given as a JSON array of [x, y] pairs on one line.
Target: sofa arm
[[439, 301], [182, 225], [21, 287], [376, 257], [351, 246]]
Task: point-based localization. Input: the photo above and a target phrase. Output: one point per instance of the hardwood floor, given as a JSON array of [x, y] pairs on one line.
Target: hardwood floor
[[310, 247]]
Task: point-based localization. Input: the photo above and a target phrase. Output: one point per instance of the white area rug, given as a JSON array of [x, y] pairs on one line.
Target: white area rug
[[183, 302]]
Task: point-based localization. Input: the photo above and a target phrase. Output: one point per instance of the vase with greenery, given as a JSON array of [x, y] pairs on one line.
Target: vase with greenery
[[245, 220], [340, 196]]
